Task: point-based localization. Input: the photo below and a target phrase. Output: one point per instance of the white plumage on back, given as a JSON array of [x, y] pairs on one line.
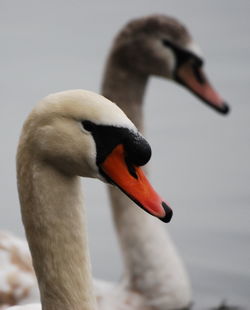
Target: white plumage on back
[[26, 307], [17, 279]]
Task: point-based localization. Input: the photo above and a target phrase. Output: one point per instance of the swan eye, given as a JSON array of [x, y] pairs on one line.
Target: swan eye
[[166, 43], [89, 126]]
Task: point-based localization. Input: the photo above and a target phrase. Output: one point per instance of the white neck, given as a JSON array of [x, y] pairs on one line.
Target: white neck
[[153, 266], [51, 205]]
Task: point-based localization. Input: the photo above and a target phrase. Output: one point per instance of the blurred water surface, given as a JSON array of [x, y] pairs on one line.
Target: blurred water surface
[[200, 159]]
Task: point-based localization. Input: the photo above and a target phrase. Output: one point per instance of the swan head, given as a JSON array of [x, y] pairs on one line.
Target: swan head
[[84, 134], [160, 45]]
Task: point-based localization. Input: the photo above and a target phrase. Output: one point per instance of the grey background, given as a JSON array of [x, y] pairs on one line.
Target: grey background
[[200, 159]]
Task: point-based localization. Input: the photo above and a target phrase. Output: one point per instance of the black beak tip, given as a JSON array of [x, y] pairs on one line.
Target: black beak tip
[[225, 109], [168, 211]]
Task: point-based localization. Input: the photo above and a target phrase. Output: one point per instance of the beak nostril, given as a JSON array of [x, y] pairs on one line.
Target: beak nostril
[[131, 168]]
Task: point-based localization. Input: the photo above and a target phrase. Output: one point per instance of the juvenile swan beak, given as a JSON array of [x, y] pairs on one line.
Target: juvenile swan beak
[[194, 78]]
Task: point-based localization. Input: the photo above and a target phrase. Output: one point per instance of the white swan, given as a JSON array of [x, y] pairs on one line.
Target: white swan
[[154, 45], [67, 135]]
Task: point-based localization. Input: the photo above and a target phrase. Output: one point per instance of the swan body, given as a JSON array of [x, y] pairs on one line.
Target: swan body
[[68, 135], [26, 307], [19, 284], [108, 296], [17, 278]]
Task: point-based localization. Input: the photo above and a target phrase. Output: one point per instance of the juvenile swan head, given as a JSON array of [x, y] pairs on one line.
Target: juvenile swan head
[[160, 45]]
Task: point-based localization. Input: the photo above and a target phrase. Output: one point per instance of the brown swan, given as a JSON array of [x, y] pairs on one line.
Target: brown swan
[[162, 46]]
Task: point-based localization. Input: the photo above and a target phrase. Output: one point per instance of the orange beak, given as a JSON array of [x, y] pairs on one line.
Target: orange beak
[[133, 182], [195, 80]]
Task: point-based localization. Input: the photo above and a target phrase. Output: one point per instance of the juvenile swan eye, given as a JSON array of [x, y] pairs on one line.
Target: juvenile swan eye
[[89, 126], [166, 43]]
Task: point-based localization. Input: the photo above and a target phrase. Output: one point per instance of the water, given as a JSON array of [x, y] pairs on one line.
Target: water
[[200, 159]]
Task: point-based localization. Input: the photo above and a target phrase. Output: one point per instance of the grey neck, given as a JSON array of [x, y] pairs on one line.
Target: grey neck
[[126, 88], [51, 205], [153, 266]]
